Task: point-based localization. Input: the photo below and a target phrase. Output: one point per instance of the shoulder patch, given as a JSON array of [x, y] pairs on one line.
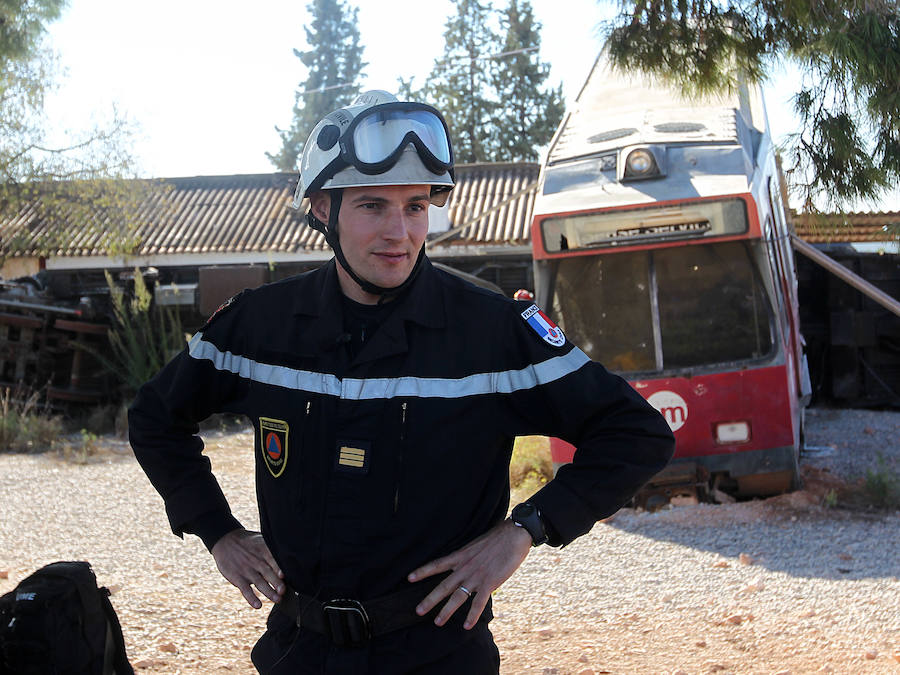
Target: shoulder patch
[[541, 324], [222, 308]]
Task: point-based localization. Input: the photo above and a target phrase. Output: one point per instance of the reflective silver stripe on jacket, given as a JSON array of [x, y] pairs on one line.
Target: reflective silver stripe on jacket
[[499, 382]]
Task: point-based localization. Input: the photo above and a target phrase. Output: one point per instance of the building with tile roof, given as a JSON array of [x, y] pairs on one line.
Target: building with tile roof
[[246, 219]]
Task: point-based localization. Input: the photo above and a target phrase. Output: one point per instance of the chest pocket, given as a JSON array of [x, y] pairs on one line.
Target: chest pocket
[[363, 460], [281, 450]]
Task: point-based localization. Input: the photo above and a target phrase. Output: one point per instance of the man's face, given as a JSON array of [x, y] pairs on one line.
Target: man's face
[[381, 230]]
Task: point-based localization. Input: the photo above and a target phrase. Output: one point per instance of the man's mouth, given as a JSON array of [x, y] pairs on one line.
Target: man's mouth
[[391, 256]]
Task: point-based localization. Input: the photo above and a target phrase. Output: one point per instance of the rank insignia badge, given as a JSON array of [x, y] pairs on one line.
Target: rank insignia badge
[[541, 324], [353, 456], [273, 438]]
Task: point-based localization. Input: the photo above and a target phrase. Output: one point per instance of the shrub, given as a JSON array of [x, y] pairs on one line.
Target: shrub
[[882, 486], [143, 337], [101, 419], [879, 489], [25, 425]]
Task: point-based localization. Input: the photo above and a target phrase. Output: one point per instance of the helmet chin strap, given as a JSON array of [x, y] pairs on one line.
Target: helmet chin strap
[[331, 236]]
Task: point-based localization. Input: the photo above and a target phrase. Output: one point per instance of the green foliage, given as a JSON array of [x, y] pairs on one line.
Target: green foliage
[[78, 448], [530, 113], [882, 486], [491, 85], [26, 425], [79, 451], [49, 186], [144, 337], [22, 26], [334, 65], [849, 99]]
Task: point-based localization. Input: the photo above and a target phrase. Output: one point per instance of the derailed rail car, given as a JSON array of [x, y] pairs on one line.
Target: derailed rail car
[[661, 247], [47, 343]]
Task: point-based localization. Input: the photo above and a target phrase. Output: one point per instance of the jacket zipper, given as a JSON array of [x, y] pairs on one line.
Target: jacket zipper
[[304, 434], [400, 455]]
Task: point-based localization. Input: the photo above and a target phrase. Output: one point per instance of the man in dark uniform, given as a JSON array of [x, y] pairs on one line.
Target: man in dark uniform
[[385, 397]]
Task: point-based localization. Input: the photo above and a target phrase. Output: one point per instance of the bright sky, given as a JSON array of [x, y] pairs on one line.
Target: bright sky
[[207, 81]]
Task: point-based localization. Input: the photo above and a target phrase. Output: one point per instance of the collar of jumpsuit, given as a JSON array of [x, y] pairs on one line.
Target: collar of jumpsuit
[[421, 304]]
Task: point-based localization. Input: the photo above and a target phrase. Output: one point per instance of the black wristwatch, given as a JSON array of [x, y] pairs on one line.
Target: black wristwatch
[[526, 515]]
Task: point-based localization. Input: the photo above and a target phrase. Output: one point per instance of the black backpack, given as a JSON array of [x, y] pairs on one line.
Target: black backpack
[[58, 622]]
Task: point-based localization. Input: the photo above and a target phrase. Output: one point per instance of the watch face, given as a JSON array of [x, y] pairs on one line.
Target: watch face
[[523, 510], [527, 516]]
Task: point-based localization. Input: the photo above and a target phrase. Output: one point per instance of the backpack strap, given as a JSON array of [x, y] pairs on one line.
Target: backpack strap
[[115, 661]]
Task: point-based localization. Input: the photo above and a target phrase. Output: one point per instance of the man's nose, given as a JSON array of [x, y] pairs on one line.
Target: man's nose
[[396, 225]]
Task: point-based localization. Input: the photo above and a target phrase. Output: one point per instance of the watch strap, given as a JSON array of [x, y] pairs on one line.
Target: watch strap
[[527, 516]]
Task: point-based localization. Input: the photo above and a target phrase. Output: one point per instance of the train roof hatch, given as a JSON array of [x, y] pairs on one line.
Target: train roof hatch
[[614, 109]]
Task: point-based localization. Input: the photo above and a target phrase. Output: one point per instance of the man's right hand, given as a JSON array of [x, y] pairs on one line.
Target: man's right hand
[[244, 559]]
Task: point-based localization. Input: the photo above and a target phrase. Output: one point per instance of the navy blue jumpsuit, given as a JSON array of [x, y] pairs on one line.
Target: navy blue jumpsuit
[[368, 466]]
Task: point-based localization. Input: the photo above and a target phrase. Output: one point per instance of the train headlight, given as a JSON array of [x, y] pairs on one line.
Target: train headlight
[[643, 162], [732, 432], [639, 163]]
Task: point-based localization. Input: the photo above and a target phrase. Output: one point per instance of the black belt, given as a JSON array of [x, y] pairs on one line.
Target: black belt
[[350, 623]]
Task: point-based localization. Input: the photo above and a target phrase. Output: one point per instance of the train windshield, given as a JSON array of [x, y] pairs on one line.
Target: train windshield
[[643, 225], [665, 309]]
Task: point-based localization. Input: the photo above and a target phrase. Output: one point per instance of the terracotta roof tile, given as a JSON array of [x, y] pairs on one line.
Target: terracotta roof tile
[[849, 227]]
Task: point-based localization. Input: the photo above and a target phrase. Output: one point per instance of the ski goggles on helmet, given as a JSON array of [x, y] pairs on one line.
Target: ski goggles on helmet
[[375, 139]]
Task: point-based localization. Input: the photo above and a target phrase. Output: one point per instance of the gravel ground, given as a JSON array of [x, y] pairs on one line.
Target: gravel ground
[[783, 585]]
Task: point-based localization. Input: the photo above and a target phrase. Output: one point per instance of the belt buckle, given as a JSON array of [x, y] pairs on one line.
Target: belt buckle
[[347, 622]]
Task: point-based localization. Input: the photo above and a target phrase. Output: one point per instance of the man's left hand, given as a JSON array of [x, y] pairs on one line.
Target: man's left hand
[[480, 567]]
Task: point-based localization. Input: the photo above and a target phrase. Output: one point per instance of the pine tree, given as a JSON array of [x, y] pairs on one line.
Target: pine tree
[[22, 27], [334, 66], [460, 82], [530, 113], [848, 100]]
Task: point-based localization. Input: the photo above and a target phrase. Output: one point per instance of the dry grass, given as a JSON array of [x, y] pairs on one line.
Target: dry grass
[[25, 425], [531, 466]]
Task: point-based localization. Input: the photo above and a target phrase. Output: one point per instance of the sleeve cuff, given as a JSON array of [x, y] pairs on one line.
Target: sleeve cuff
[[554, 499], [212, 526]]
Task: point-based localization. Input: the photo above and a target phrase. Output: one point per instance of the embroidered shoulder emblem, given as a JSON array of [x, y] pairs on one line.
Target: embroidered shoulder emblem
[[541, 324], [222, 308], [273, 440]]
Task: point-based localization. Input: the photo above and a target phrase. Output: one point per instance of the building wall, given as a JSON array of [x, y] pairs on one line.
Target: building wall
[[14, 268], [853, 344]]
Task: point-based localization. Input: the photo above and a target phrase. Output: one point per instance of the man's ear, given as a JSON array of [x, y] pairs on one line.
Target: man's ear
[[320, 205]]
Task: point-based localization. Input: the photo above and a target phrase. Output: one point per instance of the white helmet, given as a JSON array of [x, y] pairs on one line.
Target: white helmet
[[378, 140]]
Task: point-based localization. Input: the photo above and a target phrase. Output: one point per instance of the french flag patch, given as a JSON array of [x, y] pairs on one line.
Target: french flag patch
[[543, 326]]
